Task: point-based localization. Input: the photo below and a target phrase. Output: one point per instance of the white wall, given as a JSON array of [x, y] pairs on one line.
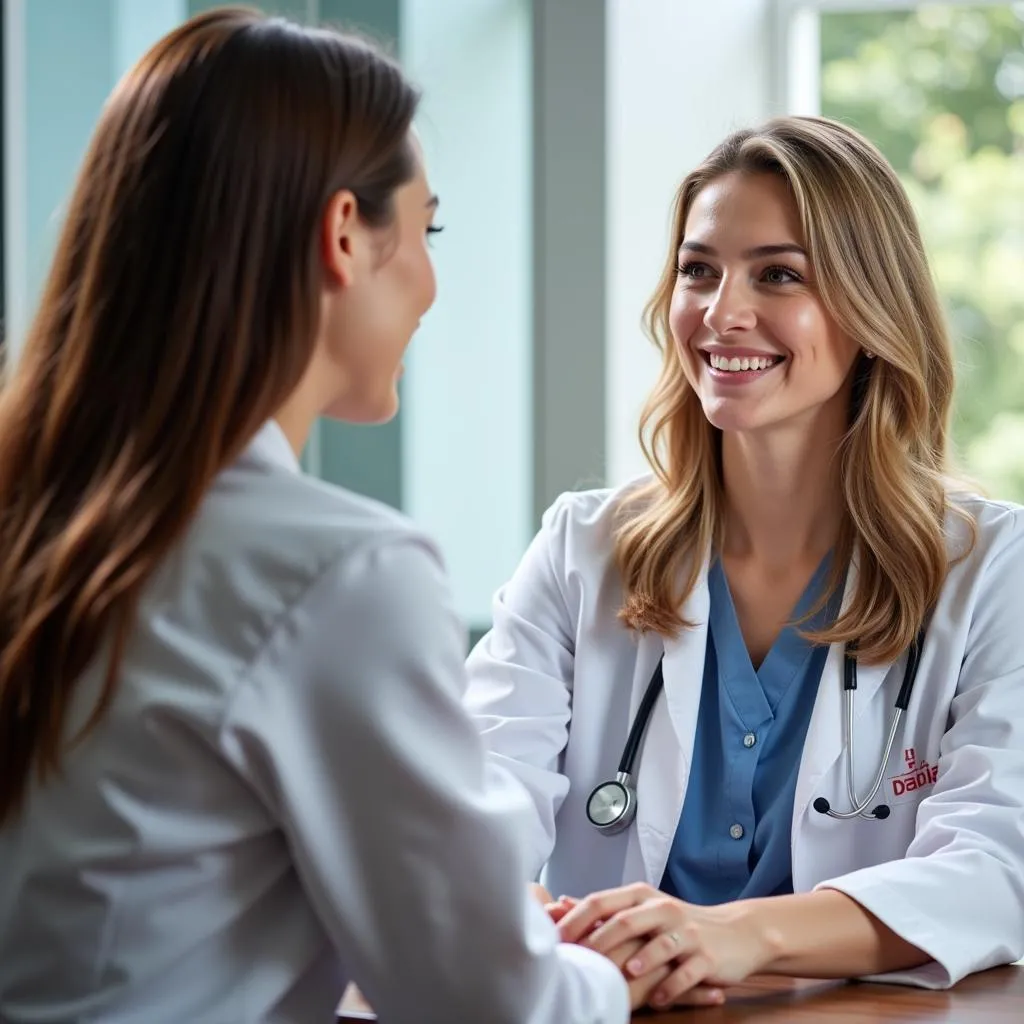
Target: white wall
[[681, 75], [466, 422]]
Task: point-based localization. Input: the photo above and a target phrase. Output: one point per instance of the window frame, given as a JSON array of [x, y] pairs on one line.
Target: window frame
[[797, 58]]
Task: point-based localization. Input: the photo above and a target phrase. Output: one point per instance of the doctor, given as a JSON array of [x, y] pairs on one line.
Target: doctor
[[235, 771], [700, 632]]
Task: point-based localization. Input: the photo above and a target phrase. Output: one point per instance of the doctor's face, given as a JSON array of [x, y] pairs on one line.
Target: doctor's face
[[754, 338], [369, 324]]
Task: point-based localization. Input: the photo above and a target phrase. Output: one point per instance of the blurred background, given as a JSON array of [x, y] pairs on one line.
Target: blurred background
[[556, 132]]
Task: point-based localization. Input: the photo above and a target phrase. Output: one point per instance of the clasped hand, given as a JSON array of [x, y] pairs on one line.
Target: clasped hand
[[670, 952]]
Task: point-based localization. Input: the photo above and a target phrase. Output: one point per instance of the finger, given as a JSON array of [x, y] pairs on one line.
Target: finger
[[540, 894], [662, 948], [637, 922], [601, 905], [557, 910], [624, 953], [700, 995], [640, 989], [685, 977]]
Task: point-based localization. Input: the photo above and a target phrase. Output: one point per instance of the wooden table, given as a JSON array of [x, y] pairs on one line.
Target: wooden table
[[993, 997]]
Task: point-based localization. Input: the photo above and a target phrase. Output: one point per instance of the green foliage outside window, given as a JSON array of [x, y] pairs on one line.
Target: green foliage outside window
[[940, 90]]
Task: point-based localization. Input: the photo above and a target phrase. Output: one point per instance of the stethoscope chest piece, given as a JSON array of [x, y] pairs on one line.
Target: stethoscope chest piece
[[611, 806]]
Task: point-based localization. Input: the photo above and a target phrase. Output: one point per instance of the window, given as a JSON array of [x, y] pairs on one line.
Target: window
[[939, 87]]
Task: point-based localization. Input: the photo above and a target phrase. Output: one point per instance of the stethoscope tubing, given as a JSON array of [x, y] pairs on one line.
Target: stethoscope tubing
[[603, 795]]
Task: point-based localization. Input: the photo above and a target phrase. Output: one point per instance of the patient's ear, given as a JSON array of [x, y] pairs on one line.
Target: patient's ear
[[343, 238]]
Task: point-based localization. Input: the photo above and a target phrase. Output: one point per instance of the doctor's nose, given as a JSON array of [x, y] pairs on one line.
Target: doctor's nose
[[730, 309]]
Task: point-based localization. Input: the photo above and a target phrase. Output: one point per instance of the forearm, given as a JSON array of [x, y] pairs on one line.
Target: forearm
[[826, 934]]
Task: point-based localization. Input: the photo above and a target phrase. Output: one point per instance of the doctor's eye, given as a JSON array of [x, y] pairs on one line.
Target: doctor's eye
[[780, 275], [694, 271]]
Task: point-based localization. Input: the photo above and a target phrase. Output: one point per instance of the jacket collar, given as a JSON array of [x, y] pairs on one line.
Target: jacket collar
[[270, 447]]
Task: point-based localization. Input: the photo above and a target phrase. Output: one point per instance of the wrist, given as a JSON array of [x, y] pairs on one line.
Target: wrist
[[757, 920]]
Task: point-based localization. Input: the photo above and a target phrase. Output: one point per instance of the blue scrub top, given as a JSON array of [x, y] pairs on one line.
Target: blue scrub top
[[733, 837]]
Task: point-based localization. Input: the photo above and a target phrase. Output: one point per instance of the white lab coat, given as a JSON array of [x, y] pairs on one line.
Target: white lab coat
[[556, 683], [285, 794]]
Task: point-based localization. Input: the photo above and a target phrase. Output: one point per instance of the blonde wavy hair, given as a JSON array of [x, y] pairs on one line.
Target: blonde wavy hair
[[873, 278]]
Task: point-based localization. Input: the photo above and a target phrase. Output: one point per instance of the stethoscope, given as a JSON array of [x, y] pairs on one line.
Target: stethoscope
[[611, 806]]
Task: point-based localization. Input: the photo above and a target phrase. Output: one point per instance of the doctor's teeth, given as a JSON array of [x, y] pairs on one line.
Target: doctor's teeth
[[736, 363]]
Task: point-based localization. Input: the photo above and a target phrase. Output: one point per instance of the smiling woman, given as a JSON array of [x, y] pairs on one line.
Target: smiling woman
[[797, 539], [770, 235]]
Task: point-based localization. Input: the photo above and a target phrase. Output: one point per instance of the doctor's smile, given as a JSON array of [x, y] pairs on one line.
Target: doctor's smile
[[739, 365]]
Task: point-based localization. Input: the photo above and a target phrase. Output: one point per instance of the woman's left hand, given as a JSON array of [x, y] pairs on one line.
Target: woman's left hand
[[709, 946]]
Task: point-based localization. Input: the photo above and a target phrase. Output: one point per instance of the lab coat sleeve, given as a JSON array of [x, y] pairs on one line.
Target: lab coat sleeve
[[959, 894], [520, 682], [352, 731]]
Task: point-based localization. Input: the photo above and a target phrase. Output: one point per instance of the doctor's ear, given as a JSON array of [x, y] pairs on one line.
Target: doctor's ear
[[342, 238]]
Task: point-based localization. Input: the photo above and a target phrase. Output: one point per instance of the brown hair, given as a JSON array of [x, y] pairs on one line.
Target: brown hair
[[180, 311], [874, 280]]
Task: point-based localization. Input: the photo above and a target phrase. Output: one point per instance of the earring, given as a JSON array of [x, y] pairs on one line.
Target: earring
[[870, 355]]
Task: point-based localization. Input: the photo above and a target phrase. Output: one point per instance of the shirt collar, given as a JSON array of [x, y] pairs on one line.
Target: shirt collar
[[271, 446]]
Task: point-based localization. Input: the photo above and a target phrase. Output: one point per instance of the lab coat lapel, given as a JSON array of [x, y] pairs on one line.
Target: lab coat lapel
[[826, 734], [667, 753]]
